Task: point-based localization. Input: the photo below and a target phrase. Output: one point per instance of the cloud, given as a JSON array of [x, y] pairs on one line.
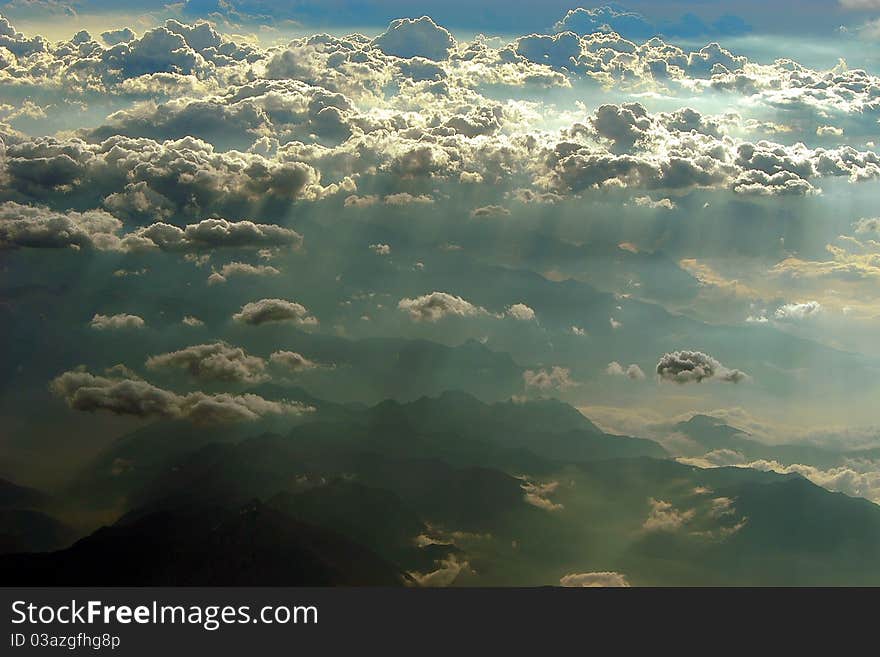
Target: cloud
[[274, 310], [490, 211], [867, 226], [30, 226], [695, 367], [521, 312], [631, 371], [420, 37], [437, 305], [114, 322], [355, 201], [240, 269], [538, 494], [213, 233], [213, 362], [191, 321], [543, 379], [605, 579], [648, 202], [142, 179], [447, 572], [292, 361], [23, 226], [380, 249], [121, 35], [123, 396], [405, 198], [857, 477], [587, 21], [798, 311], [665, 517], [829, 131]]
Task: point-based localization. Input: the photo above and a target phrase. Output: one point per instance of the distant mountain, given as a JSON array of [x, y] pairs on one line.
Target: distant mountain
[[25, 522], [791, 532], [136, 458], [255, 545], [25, 530], [710, 434], [373, 369], [548, 428], [496, 494], [14, 496], [513, 436]]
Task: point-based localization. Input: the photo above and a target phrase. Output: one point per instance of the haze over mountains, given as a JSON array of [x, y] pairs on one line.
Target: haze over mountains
[[444, 490]]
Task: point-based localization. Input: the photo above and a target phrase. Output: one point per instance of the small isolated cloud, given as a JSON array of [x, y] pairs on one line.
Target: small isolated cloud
[[538, 494], [405, 198], [829, 131], [381, 249], [665, 517], [605, 579], [213, 362], [631, 371], [798, 311], [490, 211], [115, 322], [240, 269], [867, 225], [292, 361], [556, 377], [521, 312], [446, 573], [274, 310], [648, 202], [614, 323], [192, 321], [695, 367], [84, 391], [355, 201], [577, 330], [437, 305]]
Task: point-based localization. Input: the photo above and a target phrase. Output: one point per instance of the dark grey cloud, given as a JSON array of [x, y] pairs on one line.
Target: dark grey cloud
[[218, 361], [39, 227], [274, 310], [84, 391], [695, 367]]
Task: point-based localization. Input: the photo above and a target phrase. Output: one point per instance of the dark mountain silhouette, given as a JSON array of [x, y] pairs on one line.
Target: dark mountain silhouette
[[254, 545], [26, 523], [374, 517], [14, 496], [26, 530]]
